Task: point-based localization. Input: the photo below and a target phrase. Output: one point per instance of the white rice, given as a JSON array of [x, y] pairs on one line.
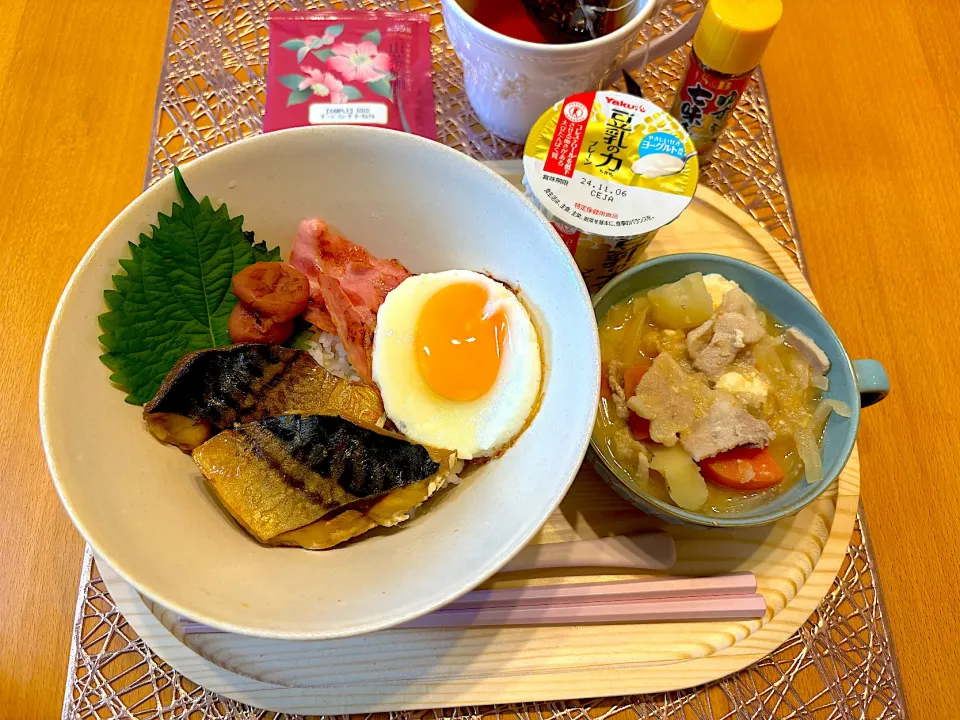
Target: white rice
[[329, 352], [451, 479], [454, 477]]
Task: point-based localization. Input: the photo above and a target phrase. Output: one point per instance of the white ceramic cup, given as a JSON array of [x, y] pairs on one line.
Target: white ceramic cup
[[510, 83]]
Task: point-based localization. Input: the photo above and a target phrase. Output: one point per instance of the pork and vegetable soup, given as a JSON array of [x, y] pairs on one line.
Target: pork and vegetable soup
[[707, 401]]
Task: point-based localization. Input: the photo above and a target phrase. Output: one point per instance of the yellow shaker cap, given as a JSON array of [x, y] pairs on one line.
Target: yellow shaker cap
[[733, 34]]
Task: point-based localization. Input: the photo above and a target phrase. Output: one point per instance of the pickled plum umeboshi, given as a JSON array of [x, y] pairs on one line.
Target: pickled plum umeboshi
[[245, 325], [273, 289]]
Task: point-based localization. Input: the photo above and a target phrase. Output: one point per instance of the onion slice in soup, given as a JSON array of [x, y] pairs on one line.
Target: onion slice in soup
[[807, 447]]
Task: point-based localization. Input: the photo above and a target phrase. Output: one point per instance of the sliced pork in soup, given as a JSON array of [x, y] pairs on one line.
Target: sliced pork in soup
[[708, 402]]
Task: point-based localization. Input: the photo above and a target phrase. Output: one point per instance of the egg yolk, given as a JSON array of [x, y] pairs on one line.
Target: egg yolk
[[458, 346]]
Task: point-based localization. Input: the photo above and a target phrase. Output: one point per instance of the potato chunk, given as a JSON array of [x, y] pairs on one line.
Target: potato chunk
[[685, 484], [682, 305]]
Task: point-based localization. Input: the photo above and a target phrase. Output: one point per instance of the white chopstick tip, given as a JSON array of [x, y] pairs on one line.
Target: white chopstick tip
[[648, 551]]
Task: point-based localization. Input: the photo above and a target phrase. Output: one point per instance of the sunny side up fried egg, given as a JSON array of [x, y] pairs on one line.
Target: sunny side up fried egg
[[457, 361]]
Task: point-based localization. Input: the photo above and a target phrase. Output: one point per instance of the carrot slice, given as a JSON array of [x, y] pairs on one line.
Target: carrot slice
[[743, 468], [639, 426], [632, 376]]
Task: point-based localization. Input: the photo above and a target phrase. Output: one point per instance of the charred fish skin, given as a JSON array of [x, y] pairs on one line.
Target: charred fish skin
[[268, 473], [223, 385], [328, 449], [220, 387]]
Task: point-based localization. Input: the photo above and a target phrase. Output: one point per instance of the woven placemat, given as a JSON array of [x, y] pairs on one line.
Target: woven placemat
[[840, 664]]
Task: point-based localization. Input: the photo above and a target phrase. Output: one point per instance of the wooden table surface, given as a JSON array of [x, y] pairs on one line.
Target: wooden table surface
[[865, 98]]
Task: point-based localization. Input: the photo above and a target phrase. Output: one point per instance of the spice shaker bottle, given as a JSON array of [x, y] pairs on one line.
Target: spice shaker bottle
[[727, 48]]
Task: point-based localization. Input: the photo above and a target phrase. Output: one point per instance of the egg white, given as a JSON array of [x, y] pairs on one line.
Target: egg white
[[477, 428]]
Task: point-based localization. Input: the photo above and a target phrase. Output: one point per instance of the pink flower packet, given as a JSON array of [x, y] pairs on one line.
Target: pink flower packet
[[352, 67]]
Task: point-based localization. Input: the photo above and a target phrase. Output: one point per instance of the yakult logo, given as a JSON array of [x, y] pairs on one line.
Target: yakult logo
[[616, 102]]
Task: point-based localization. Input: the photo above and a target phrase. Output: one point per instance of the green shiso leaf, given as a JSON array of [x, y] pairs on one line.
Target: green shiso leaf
[[174, 294]]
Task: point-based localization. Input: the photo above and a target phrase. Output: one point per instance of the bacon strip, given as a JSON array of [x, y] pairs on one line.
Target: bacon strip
[[354, 324], [368, 284], [304, 258], [347, 287]]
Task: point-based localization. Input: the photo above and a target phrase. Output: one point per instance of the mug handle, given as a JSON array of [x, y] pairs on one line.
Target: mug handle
[[660, 46], [872, 380]]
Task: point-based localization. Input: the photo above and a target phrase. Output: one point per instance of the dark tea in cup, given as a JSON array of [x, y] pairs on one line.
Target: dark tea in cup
[[554, 22]]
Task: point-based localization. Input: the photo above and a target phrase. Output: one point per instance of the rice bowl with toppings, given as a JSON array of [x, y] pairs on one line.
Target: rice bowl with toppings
[[193, 558]]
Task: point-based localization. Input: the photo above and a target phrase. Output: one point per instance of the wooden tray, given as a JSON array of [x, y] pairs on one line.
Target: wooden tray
[[795, 561]]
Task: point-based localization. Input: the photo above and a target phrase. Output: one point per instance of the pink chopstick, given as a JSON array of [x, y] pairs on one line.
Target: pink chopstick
[[607, 592], [709, 598], [659, 609]]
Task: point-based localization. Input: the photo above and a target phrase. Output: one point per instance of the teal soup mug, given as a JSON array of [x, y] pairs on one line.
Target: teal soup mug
[[858, 383]]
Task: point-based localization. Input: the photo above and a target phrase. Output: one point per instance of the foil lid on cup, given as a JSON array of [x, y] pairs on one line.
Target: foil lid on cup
[[609, 169]]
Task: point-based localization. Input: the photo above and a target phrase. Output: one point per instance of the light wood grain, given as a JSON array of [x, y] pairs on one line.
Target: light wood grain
[[795, 562], [859, 91], [79, 82]]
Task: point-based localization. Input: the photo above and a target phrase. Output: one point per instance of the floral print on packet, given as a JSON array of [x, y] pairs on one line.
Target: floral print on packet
[[350, 67]]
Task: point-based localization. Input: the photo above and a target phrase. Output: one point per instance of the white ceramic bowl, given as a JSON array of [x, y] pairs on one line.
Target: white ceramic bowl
[[144, 507]]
